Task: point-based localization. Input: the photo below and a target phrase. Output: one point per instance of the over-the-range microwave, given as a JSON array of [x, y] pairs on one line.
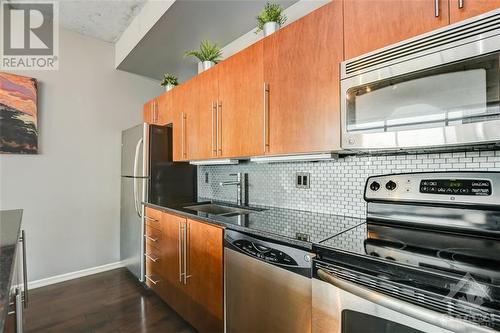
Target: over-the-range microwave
[[439, 89]]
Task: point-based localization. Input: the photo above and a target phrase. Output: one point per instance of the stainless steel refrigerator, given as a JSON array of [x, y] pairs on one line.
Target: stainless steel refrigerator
[[148, 174]]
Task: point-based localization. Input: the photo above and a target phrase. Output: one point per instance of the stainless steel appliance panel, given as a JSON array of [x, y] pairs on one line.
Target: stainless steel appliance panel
[[263, 298], [403, 123], [132, 147], [131, 227]]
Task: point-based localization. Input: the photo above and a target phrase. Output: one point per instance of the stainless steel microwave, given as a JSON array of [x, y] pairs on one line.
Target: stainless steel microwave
[[434, 90]]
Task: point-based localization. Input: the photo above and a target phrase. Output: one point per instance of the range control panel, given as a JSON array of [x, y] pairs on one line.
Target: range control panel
[[456, 186], [264, 253], [440, 187]]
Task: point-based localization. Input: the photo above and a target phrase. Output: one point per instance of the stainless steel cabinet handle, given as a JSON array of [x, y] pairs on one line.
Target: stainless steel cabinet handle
[[152, 280], [151, 238], [150, 218], [219, 127], [214, 130], [266, 117], [460, 4], [25, 269], [184, 119], [180, 251], [186, 275], [153, 259], [436, 8]]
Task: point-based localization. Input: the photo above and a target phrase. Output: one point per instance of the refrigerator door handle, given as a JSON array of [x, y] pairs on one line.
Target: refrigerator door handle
[[136, 177]]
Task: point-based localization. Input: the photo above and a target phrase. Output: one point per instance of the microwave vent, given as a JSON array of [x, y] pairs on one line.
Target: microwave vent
[[465, 32]]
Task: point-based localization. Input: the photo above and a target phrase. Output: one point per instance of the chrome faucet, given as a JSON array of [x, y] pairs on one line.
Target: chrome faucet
[[241, 187]]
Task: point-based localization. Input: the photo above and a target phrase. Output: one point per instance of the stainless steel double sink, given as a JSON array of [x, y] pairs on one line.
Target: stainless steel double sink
[[222, 210]]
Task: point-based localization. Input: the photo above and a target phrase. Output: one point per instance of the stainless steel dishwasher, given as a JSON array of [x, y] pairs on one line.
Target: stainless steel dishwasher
[[267, 286]]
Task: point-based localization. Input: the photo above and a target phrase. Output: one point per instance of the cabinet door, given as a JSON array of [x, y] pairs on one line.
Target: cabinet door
[[148, 112], [202, 121], [164, 101], [182, 105], [463, 9], [241, 103], [369, 25], [301, 66], [174, 292], [205, 272]]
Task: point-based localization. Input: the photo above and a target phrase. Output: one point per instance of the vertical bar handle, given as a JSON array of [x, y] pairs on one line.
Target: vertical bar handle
[[183, 143], [460, 4], [185, 251], [219, 127], [25, 269], [436, 8], [180, 252], [214, 130], [266, 117]]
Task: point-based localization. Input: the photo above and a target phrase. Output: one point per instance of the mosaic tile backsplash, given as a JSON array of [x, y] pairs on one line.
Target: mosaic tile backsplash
[[337, 185]]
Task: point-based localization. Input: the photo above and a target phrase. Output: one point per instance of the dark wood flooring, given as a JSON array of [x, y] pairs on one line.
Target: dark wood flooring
[[112, 301]]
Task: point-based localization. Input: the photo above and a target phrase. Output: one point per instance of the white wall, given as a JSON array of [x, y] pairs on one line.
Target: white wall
[[70, 191]]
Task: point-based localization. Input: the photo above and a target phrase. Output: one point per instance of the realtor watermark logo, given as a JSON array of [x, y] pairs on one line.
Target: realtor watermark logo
[[472, 294], [30, 35]]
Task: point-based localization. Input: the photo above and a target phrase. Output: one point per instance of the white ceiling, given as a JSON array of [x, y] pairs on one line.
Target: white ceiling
[[102, 19]]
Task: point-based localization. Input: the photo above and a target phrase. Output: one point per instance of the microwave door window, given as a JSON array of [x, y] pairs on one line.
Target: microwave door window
[[451, 95]]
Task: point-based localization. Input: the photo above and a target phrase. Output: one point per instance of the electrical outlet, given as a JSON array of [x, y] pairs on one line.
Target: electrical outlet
[[302, 236], [303, 180]]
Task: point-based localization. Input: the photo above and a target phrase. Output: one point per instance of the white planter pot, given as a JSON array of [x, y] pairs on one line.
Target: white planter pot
[[269, 28], [204, 65], [169, 87]]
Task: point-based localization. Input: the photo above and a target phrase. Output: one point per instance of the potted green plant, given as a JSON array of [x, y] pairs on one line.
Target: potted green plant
[[169, 81], [208, 55], [270, 19]]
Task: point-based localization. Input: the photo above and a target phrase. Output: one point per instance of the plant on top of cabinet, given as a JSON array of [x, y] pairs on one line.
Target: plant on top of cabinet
[[270, 19], [169, 81], [208, 55]]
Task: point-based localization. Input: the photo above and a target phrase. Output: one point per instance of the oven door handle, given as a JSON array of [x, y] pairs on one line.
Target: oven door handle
[[411, 310]]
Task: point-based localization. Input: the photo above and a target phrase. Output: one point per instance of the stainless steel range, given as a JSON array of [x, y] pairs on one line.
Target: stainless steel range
[[426, 260]]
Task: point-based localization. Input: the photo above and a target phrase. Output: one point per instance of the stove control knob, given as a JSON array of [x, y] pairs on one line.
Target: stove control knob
[[374, 186], [390, 185]]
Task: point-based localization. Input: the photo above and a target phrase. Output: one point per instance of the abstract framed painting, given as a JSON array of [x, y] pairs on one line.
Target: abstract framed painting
[[18, 114]]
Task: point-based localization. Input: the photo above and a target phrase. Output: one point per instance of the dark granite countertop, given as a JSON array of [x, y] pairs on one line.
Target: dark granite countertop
[[279, 224], [10, 228]]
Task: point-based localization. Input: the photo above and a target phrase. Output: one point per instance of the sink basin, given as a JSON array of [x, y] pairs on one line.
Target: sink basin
[[222, 210]]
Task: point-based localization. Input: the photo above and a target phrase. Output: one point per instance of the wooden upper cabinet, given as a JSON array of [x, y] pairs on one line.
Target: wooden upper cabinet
[[148, 111], [183, 103], [241, 104], [205, 277], [463, 9], [201, 123], [301, 67], [164, 101], [369, 25]]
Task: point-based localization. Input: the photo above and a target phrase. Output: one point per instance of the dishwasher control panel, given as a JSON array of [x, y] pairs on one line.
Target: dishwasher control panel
[[265, 253]]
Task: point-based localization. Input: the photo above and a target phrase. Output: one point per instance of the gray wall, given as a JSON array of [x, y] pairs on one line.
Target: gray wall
[[70, 191], [336, 186]]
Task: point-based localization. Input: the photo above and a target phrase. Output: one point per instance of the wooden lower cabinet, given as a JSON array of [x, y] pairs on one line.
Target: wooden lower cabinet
[[193, 248]]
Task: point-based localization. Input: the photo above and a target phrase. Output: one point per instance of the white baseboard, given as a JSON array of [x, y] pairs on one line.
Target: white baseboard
[[74, 275]]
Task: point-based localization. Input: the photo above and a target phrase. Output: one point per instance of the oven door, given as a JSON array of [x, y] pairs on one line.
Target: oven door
[[339, 306], [442, 100]]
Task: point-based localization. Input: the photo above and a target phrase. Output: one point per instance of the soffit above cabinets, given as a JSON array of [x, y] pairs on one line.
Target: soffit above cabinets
[[183, 26]]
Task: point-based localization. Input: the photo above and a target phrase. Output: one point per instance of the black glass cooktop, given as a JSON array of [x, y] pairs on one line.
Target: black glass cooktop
[[444, 264]]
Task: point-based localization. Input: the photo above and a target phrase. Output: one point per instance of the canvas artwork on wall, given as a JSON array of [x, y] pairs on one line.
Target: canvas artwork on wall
[[18, 114]]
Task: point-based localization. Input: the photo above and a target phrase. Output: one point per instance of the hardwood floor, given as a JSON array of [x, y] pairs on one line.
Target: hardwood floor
[[112, 301]]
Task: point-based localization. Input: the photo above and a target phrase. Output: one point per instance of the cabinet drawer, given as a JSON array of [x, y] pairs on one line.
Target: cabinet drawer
[[152, 217], [152, 236]]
